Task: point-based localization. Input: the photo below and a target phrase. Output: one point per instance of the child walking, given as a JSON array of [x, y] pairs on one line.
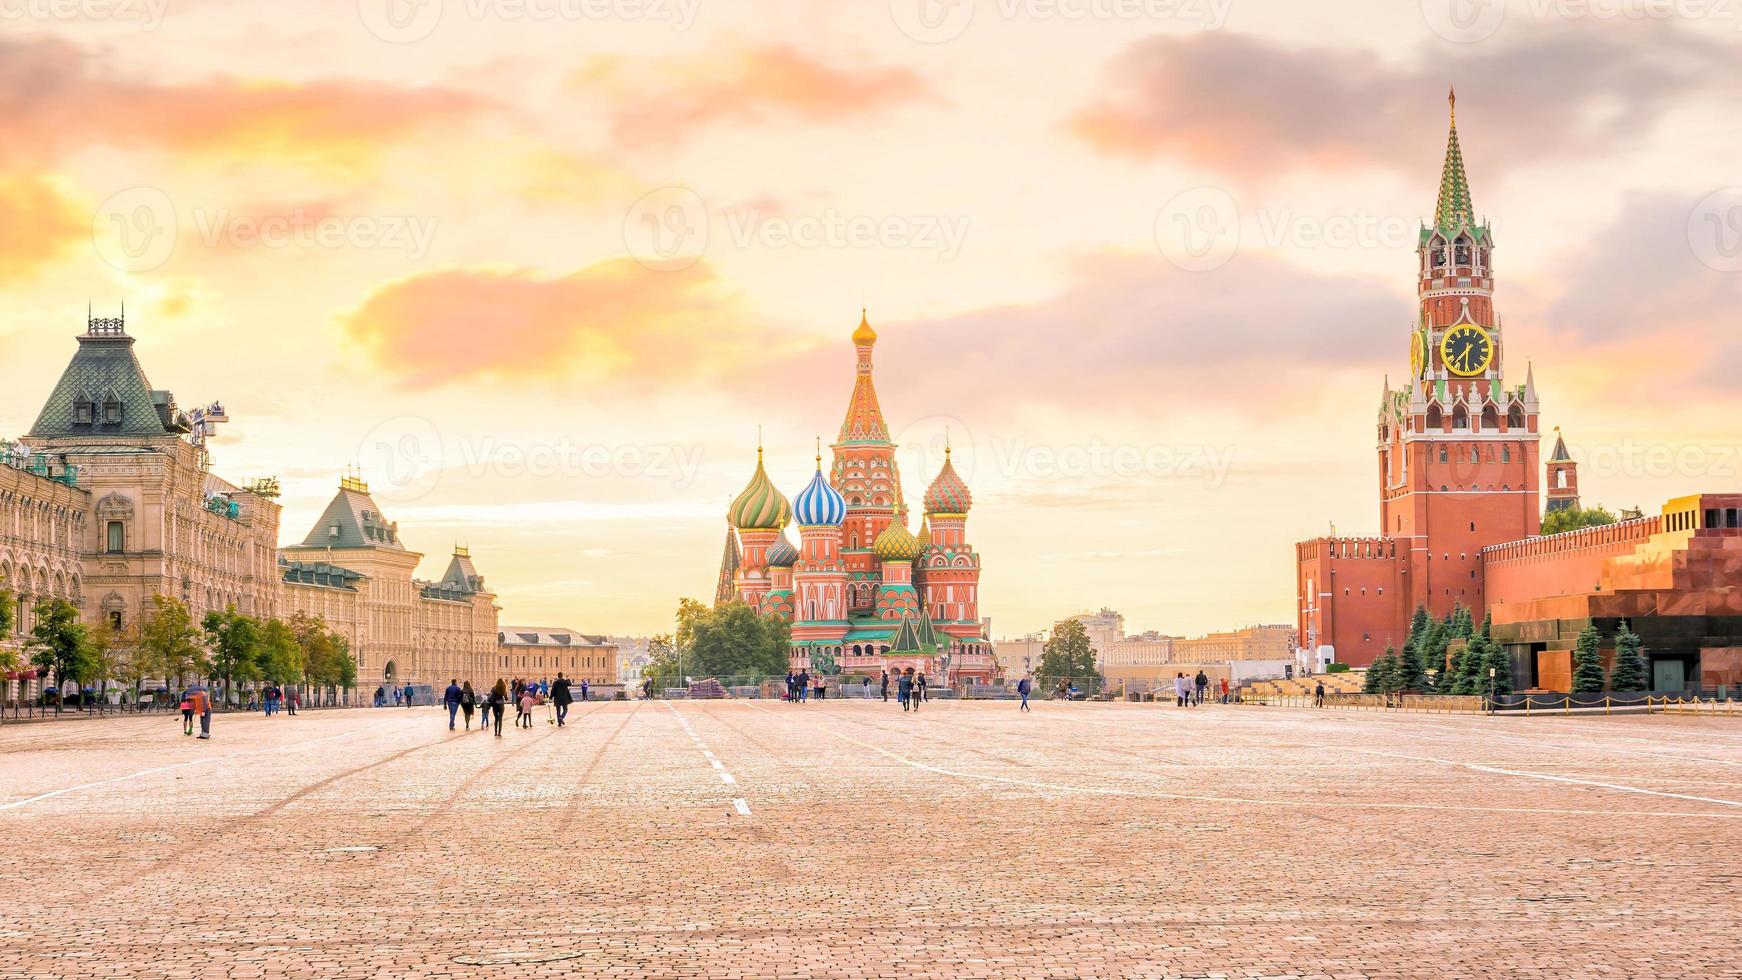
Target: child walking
[[527, 703]]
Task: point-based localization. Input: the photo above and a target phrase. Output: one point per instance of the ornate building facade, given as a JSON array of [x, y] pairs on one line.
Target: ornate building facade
[[1457, 448], [863, 593]]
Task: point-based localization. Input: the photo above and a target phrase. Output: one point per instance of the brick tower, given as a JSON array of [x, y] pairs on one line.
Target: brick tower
[[1563, 477]]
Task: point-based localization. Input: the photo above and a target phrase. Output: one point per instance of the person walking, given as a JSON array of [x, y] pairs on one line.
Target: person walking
[[560, 696], [203, 707], [1022, 688], [1203, 684], [586, 688], [497, 703], [451, 698], [904, 689], [822, 687], [293, 701], [885, 687], [187, 712], [804, 685], [1181, 687], [919, 691], [396, 697], [867, 680], [1319, 694], [380, 696], [791, 686], [1224, 690], [528, 701], [468, 702], [408, 695]]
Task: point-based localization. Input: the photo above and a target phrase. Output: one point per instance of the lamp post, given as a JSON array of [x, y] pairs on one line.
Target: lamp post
[[1491, 689]]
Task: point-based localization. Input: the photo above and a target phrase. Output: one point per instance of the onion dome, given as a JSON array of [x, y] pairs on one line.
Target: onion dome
[[760, 507], [896, 544], [781, 554], [864, 336], [948, 494], [818, 504], [923, 538]]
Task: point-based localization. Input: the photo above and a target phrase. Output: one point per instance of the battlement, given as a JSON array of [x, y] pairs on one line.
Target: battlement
[[1346, 548]]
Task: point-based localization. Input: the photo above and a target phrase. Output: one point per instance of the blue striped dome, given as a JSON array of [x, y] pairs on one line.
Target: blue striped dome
[[819, 505]]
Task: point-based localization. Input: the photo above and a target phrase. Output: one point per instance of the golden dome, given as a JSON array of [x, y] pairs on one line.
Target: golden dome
[[864, 336], [896, 543]]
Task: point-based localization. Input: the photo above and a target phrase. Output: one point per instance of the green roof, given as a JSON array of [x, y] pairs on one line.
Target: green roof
[[907, 640], [105, 376], [353, 520]]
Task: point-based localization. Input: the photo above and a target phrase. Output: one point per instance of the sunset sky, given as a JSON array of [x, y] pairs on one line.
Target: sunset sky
[[542, 267]]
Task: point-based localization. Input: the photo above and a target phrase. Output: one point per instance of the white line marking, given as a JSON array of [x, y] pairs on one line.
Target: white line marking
[[179, 765], [1102, 791], [1548, 776], [743, 807], [726, 777], [716, 764]]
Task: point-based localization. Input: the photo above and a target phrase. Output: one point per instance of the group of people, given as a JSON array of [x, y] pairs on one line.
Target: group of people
[[910, 688], [798, 687], [462, 700], [1191, 691], [401, 696], [275, 699]]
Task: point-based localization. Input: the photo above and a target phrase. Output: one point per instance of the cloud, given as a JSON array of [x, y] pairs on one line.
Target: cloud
[[37, 225], [1130, 332], [57, 98], [663, 103], [612, 321], [1251, 108]]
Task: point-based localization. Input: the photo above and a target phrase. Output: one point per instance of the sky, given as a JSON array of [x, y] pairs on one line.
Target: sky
[[543, 269]]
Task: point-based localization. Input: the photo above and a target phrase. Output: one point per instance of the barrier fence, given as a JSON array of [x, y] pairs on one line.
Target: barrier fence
[[1526, 704]]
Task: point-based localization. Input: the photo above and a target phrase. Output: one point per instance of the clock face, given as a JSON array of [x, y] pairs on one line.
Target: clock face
[[1417, 354], [1467, 350]]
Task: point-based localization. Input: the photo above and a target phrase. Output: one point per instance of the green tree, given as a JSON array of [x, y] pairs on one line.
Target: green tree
[[1497, 660], [1630, 673], [8, 656], [732, 640], [1574, 518], [60, 645], [234, 642], [1407, 675], [1068, 653], [662, 662], [281, 660], [1418, 626], [1382, 675], [1587, 663], [168, 645], [109, 654]]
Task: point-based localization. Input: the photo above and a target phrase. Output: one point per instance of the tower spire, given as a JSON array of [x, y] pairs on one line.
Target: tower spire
[[1454, 208]]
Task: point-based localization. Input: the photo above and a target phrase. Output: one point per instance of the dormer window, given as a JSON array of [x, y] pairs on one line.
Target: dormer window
[[83, 412], [111, 408]]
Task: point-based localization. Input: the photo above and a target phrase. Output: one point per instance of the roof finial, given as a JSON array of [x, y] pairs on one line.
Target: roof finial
[[759, 444], [819, 452], [1452, 99]]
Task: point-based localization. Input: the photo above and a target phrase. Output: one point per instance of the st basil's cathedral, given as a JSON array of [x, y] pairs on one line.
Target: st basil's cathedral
[[863, 593]]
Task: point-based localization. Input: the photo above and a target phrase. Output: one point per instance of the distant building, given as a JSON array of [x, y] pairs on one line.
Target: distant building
[[1251, 643], [539, 652]]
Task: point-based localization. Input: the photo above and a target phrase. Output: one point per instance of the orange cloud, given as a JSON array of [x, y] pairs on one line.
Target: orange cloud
[[37, 225], [614, 319], [753, 85], [56, 97]]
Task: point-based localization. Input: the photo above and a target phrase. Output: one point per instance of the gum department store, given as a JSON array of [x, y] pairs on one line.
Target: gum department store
[[109, 501]]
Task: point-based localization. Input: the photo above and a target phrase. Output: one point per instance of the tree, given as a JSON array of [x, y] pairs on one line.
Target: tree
[[1470, 675], [281, 660], [168, 644], [1587, 665], [8, 602], [662, 662], [60, 645], [1498, 661], [732, 640], [234, 642], [1068, 653], [1574, 518], [1630, 674], [109, 653], [1382, 676], [322, 656]]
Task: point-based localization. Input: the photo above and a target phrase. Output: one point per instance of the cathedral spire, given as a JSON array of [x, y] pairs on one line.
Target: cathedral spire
[[864, 422], [1454, 208]]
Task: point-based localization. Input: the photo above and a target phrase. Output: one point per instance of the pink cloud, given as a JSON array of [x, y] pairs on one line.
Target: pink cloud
[[664, 103], [37, 225]]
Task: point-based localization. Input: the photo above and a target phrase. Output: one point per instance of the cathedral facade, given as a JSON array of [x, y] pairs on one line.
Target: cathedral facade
[[863, 592]]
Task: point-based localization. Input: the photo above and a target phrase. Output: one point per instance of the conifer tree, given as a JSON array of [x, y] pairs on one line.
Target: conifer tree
[[1630, 674], [1418, 626], [1497, 660], [1382, 676], [1587, 667], [1406, 674]]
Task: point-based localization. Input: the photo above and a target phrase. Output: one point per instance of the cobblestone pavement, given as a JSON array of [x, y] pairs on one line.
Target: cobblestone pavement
[[741, 839]]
